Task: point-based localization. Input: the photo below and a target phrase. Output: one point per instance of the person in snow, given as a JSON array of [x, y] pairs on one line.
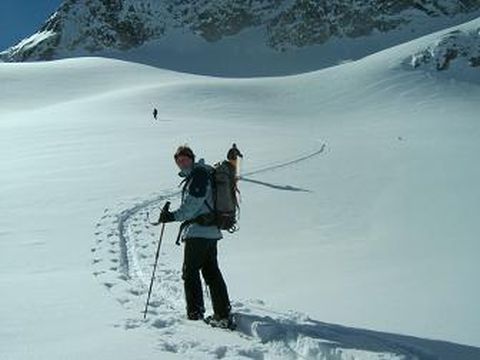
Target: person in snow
[[155, 113], [200, 237]]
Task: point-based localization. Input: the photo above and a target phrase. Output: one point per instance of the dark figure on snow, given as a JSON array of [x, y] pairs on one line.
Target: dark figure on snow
[[234, 153], [155, 113], [200, 241]]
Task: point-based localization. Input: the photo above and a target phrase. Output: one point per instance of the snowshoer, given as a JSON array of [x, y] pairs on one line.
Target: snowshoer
[[155, 113], [200, 236]]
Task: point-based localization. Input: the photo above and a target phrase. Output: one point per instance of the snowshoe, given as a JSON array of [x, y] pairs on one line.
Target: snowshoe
[[222, 323]]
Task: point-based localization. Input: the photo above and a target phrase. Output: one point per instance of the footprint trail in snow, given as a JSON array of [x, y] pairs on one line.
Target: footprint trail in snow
[[123, 257]]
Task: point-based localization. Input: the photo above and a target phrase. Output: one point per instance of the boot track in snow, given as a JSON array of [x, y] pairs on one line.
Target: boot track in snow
[[122, 262]]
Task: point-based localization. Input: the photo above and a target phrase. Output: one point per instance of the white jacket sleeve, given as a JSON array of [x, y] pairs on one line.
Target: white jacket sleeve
[[194, 198]]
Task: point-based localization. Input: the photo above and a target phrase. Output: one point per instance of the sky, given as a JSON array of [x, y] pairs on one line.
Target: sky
[[21, 18]]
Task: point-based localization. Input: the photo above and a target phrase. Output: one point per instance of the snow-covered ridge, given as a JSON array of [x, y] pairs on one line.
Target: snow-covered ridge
[[462, 46], [286, 26]]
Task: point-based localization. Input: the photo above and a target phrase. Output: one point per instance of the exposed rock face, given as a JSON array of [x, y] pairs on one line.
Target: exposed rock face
[[90, 26], [454, 46]]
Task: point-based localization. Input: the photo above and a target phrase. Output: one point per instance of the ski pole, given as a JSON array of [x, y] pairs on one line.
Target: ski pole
[[165, 208]]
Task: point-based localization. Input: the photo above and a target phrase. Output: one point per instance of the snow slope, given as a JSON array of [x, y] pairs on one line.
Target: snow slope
[[360, 203]]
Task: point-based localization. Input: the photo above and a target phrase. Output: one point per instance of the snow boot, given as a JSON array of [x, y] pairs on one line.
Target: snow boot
[[219, 322]]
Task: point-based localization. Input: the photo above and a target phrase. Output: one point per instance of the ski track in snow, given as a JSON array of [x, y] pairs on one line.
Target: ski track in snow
[[123, 259]]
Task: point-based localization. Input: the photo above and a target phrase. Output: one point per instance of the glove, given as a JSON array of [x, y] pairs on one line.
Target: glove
[[166, 216]]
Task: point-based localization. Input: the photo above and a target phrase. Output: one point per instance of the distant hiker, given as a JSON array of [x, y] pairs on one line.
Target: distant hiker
[[200, 234], [155, 113]]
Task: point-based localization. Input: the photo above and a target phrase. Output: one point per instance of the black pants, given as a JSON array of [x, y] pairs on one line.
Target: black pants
[[201, 254]]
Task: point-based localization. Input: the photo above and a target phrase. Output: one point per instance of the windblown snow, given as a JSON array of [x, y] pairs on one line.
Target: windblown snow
[[360, 204]]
